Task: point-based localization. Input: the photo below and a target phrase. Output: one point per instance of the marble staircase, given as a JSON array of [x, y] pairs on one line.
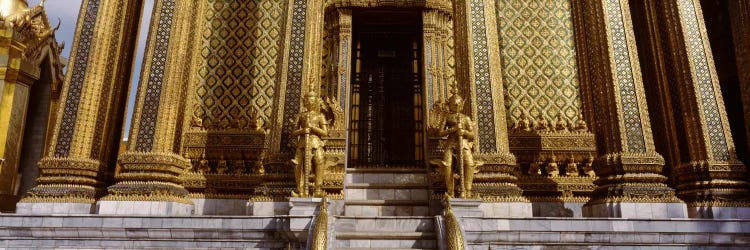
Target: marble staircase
[[386, 208], [385, 232], [386, 192]]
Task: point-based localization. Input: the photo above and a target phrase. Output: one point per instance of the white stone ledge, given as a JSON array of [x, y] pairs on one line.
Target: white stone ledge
[[500, 232], [126, 232], [98, 231]]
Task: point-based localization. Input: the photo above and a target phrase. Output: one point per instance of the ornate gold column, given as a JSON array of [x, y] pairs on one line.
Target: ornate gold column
[[479, 77], [339, 53], [439, 61], [739, 11], [14, 98], [304, 60], [710, 178], [72, 172], [311, 70], [148, 181], [630, 183]]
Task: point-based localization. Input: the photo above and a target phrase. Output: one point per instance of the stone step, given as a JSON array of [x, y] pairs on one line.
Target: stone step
[[387, 194], [386, 235], [389, 248], [386, 186], [385, 232], [386, 208], [385, 224], [365, 210], [385, 244], [386, 176], [402, 169]]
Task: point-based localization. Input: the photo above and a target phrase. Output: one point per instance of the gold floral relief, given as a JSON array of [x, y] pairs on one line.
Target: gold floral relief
[[539, 58], [240, 52]]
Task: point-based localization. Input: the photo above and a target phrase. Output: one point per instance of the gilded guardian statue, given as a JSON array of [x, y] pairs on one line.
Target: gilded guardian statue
[[460, 133], [310, 129]]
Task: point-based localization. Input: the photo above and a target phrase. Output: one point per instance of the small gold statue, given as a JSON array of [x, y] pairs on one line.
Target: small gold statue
[[571, 169], [311, 127], [203, 166], [221, 167], [524, 123], [589, 167], [581, 125], [552, 169], [196, 122], [239, 167], [542, 124], [535, 169], [460, 131], [255, 124], [258, 167]]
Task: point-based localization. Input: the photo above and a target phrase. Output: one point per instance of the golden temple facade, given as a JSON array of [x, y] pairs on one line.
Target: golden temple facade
[[579, 108]]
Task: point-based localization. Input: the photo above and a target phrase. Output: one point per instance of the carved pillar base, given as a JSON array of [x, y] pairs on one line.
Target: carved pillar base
[[152, 178], [714, 189], [498, 178], [66, 182], [631, 186]]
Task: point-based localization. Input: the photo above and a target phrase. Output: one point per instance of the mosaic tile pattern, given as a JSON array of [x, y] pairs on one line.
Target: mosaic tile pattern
[[294, 78], [485, 108], [344, 76], [700, 62], [628, 98], [538, 53], [240, 51], [150, 105], [428, 77], [79, 65], [105, 99]]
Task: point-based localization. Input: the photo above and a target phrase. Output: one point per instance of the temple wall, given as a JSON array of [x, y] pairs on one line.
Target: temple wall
[[539, 59], [241, 46]]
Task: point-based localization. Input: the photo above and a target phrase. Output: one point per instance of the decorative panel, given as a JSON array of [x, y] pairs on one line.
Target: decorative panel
[[294, 77], [539, 58], [75, 80], [631, 115], [485, 108], [705, 83], [105, 102], [240, 52], [147, 127]]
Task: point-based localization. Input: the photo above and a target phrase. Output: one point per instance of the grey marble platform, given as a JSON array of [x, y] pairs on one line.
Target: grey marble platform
[[604, 233], [142, 232], [273, 232]]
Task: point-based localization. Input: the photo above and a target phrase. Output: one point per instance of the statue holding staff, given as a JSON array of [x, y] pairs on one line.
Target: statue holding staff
[[311, 126], [460, 133]]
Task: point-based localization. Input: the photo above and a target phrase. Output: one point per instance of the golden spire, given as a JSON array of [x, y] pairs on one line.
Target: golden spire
[[10, 7]]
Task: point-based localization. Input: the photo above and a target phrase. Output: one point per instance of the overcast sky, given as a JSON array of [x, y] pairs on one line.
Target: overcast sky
[[67, 12]]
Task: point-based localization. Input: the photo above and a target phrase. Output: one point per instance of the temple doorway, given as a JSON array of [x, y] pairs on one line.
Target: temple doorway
[[386, 112]]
